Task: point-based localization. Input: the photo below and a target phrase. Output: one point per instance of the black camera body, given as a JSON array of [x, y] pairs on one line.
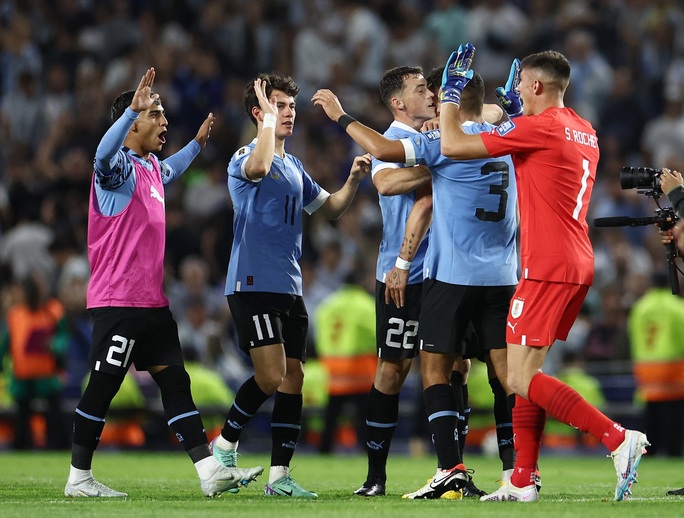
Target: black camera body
[[647, 181], [642, 178]]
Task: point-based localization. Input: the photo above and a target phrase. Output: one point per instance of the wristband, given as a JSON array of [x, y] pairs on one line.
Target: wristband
[[345, 120], [402, 264], [269, 121]]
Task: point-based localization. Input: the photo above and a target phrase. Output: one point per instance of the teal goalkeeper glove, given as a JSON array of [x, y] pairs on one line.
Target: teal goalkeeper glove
[[509, 98], [457, 73]]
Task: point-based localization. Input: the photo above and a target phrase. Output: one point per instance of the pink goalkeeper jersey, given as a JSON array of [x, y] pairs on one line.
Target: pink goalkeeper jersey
[[126, 251]]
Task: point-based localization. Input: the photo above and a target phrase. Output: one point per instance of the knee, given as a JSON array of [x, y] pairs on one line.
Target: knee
[[517, 383], [269, 381], [294, 378], [172, 379], [390, 376]]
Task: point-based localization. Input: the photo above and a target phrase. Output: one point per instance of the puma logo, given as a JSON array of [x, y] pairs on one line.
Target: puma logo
[[512, 326], [375, 445], [154, 193]]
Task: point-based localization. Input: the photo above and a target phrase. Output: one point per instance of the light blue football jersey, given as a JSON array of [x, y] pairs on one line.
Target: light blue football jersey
[[473, 233], [395, 211], [267, 225]]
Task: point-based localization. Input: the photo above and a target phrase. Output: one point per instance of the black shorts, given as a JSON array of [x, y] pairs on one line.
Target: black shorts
[[447, 311], [396, 329], [270, 318], [145, 337]]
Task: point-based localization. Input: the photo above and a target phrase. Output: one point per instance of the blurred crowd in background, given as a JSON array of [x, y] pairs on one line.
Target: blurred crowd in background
[[62, 63]]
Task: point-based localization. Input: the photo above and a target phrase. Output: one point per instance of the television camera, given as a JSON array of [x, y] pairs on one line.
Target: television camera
[[647, 181]]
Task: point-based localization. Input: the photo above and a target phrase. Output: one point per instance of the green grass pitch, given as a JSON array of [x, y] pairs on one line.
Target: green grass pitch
[[166, 485]]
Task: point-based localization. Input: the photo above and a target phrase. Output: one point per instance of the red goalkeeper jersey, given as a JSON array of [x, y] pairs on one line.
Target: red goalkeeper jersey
[[555, 155]]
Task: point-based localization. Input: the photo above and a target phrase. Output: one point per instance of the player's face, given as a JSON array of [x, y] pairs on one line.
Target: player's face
[[286, 114], [150, 129], [419, 101]]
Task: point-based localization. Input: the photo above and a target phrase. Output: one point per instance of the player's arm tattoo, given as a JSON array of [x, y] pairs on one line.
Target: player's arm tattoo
[[408, 246]]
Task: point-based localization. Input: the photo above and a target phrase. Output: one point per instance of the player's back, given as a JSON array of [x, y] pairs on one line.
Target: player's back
[[473, 224]]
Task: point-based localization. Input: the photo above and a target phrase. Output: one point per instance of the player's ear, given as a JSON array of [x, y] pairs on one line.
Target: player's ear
[[256, 113], [538, 87], [397, 103]]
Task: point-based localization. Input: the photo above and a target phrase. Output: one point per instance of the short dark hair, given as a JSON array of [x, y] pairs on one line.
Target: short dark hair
[[124, 101], [393, 81], [552, 63], [473, 95], [273, 82], [434, 79]]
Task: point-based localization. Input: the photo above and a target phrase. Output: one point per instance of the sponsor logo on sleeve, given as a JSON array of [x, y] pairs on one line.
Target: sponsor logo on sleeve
[[432, 135], [505, 127]]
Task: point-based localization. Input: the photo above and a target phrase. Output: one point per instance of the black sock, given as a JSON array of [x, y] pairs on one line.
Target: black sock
[[248, 400], [286, 422], [441, 412], [463, 420], [180, 410], [456, 380], [382, 414], [89, 418], [504, 425]]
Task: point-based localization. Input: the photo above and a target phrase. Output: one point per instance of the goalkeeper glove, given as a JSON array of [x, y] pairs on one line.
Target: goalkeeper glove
[[509, 98], [457, 73]]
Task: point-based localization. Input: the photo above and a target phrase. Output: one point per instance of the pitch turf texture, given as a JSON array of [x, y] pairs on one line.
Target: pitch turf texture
[[165, 485]]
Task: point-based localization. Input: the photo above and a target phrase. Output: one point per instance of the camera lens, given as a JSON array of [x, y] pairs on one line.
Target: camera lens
[[639, 177]]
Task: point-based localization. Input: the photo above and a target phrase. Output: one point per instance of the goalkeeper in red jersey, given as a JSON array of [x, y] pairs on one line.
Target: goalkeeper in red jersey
[[555, 153]]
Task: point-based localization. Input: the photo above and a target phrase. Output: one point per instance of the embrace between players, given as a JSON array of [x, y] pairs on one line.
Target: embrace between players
[[462, 184]]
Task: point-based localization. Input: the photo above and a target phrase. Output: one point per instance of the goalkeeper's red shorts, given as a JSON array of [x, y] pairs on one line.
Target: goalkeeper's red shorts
[[542, 312]]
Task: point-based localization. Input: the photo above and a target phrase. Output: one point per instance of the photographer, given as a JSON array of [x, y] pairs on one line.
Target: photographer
[[672, 184]]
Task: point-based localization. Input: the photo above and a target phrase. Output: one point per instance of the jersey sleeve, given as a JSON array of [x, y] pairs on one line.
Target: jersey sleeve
[[379, 165], [423, 148], [518, 136], [313, 195], [236, 166]]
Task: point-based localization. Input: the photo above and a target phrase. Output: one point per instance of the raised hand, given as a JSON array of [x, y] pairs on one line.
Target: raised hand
[[457, 73], [330, 104], [143, 97], [509, 97], [361, 167], [205, 130], [267, 105]]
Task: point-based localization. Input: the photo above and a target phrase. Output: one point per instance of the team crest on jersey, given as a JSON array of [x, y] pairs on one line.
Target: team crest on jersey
[[517, 307], [432, 135], [505, 127]]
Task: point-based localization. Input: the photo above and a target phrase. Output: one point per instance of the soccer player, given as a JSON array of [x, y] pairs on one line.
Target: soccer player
[[405, 92], [132, 320], [270, 190], [555, 153], [460, 282], [494, 350]]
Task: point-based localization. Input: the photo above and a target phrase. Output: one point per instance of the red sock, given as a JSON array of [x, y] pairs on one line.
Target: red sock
[[528, 426], [566, 405]]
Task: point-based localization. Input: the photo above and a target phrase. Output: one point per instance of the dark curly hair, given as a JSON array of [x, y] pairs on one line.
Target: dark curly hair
[[273, 82]]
